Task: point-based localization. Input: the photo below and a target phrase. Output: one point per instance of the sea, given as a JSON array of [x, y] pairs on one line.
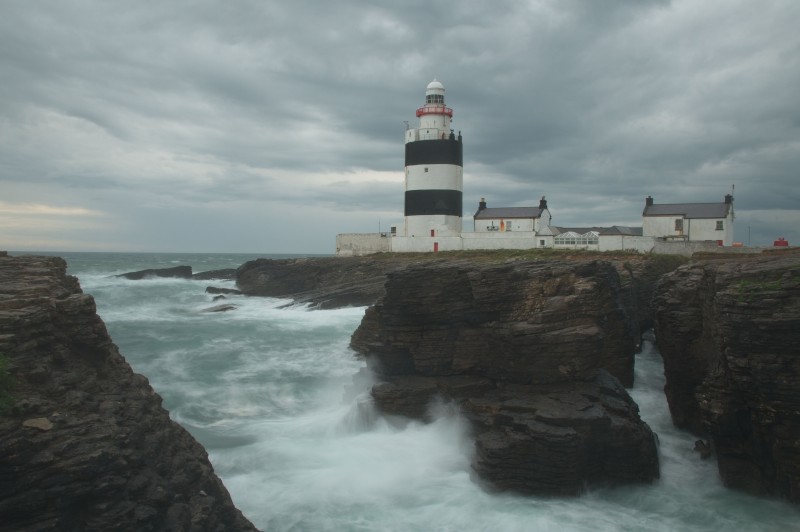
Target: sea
[[270, 390]]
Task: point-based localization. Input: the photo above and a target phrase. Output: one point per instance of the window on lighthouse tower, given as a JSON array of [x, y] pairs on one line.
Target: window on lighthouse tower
[[434, 98]]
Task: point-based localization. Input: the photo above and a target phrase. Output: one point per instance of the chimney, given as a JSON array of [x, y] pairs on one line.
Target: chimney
[[542, 203], [728, 199], [648, 201], [482, 204]]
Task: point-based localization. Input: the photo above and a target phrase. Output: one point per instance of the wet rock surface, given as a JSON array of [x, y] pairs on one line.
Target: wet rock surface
[[332, 282], [533, 354], [323, 282], [729, 332], [179, 272], [84, 441]]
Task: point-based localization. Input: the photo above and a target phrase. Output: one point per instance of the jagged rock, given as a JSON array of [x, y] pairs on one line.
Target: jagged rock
[[332, 282], [86, 444], [638, 278], [180, 272], [523, 322], [557, 439], [225, 273], [523, 349], [220, 308], [728, 331], [216, 290], [326, 282]]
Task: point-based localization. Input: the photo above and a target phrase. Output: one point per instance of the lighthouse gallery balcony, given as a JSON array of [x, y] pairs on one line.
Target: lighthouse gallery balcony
[[435, 110]]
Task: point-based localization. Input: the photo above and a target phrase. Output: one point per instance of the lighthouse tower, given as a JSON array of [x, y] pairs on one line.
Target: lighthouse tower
[[434, 170]]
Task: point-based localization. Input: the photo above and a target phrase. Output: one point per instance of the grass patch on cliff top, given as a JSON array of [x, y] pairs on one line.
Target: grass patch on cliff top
[[503, 255]]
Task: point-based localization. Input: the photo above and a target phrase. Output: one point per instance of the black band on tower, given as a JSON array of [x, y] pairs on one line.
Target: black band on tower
[[425, 202], [439, 151]]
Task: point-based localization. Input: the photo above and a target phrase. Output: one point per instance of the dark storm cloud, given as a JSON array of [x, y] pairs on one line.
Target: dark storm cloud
[[254, 113]]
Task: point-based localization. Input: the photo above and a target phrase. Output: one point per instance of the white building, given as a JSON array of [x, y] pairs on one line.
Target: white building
[[433, 212], [433, 209], [614, 238], [511, 219], [689, 222], [433, 171]]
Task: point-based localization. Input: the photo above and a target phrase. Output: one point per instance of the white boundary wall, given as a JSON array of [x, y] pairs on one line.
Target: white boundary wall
[[642, 244], [507, 240], [355, 244], [421, 244]]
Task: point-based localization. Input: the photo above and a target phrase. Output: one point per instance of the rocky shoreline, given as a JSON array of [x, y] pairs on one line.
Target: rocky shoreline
[[84, 441], [535, 351], [727, 326], [729, 331]]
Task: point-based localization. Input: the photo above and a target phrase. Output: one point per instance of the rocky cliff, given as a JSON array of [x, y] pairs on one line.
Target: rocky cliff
[[533, 353], [84, 442], [325, 282], [330, 282], [729, 331]]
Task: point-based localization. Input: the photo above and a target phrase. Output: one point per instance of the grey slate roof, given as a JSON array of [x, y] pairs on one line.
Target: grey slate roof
[[688, 210], [508, 212], [621, 230]]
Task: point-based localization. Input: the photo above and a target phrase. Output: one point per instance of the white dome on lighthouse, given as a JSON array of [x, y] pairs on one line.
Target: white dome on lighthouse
[[435, 85], [434, 93]]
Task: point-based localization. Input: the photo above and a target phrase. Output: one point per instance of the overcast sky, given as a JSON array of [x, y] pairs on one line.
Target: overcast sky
[[271, 126]]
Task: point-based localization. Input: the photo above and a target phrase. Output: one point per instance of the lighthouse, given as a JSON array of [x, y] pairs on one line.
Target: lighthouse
[[434, 170]]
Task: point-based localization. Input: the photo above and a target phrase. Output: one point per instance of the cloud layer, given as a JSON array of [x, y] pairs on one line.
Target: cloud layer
[[272, 126]]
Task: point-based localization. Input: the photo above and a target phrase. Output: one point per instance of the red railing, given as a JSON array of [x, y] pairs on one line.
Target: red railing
[[434, 110]]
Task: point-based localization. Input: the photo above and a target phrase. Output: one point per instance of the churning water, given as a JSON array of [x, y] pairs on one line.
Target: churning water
[[268, 389]]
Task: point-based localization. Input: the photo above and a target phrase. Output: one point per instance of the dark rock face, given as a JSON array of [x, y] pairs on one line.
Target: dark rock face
[[85, 443], [332, 282], [217, 290], [326, 282], [220, 308], [226, 273], [528, 350], [180, 272], [638, 277], [729, 333], [557, 439], [526, 323]]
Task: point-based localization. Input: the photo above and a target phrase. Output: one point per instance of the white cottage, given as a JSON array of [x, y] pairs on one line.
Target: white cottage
[[690, 222], [511, 219]]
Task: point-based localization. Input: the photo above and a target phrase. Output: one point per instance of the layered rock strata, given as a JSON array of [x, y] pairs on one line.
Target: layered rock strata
[[84, 441], [729, 331], [331, 282], [180, 272], [532, 352], [325, 282]]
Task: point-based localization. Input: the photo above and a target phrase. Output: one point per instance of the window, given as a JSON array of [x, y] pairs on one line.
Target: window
[[720, 225], [426, 170], [679, 225], [573, 239]]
